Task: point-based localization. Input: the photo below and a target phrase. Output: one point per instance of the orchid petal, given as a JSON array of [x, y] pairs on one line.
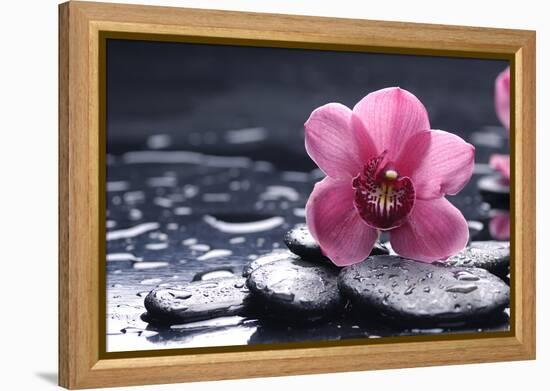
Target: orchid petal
[[330, 141], [336, 225], [438, 163], [499, 225], [435, 230], [501, 163], [502, 97], [389, 117]]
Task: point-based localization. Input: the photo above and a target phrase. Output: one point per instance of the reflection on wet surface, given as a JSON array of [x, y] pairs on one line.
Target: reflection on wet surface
[[173, 216]]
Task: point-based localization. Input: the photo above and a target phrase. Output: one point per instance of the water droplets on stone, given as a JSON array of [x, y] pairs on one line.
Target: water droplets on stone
[[409, 290], [465, 275], [425, 293], [180, 294], [465, 288]]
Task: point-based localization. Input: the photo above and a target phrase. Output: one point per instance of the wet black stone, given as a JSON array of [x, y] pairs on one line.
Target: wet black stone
[[491, 255], [300, 241], [494, 191], [274, 256], [412, 291], [209, 274], [295, 289], [198, 300]]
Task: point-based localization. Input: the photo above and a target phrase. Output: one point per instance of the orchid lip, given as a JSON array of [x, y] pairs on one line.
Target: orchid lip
[[383, 198]]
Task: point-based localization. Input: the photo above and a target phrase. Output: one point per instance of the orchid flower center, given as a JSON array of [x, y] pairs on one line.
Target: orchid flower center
[[383, 198]]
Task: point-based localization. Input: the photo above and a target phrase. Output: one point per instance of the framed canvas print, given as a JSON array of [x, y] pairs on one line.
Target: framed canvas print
[[248, 195]]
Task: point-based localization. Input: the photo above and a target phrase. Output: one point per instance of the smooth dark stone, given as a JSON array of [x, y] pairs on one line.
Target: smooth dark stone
[[491, 255], [274, 256], [198, 300], [494, 191], [419, 292], [295, 288], [209, 274], [300, 241]]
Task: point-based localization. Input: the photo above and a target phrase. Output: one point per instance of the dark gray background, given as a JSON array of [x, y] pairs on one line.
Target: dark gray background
[[196, 92]]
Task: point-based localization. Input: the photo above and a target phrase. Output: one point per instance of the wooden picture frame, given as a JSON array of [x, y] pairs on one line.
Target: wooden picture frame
[[82, 364]]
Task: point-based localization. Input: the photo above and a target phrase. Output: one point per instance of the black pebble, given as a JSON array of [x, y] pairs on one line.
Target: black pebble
[[491, 255], [296, 290], [412, 291], [198, 300], [274, 256]]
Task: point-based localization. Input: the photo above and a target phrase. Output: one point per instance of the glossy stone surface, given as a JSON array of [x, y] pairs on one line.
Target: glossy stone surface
[[296, 289], [274, 256], [491, 255], [407, 290], [198, 300]]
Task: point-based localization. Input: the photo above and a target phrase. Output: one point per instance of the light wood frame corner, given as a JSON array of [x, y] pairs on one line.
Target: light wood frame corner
[[81, 156]]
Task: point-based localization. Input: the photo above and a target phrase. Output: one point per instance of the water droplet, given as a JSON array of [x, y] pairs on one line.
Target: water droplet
[[409, 290], [283, 295], [467, 288], [181, 294], [217, 253], [151, 281], [465, 275], [244, 227]]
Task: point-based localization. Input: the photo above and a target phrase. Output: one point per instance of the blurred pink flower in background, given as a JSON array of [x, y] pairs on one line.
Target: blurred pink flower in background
[[386, 171], [501, 163], [502, 97], [499, 225]]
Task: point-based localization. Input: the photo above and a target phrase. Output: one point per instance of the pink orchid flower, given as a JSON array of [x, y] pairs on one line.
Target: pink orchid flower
[[502, 97], [501, 163], [386, 171]]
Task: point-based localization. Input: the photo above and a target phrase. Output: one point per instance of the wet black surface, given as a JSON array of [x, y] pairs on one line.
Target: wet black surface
[[195, 218], [295, 290], [207, 170]]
